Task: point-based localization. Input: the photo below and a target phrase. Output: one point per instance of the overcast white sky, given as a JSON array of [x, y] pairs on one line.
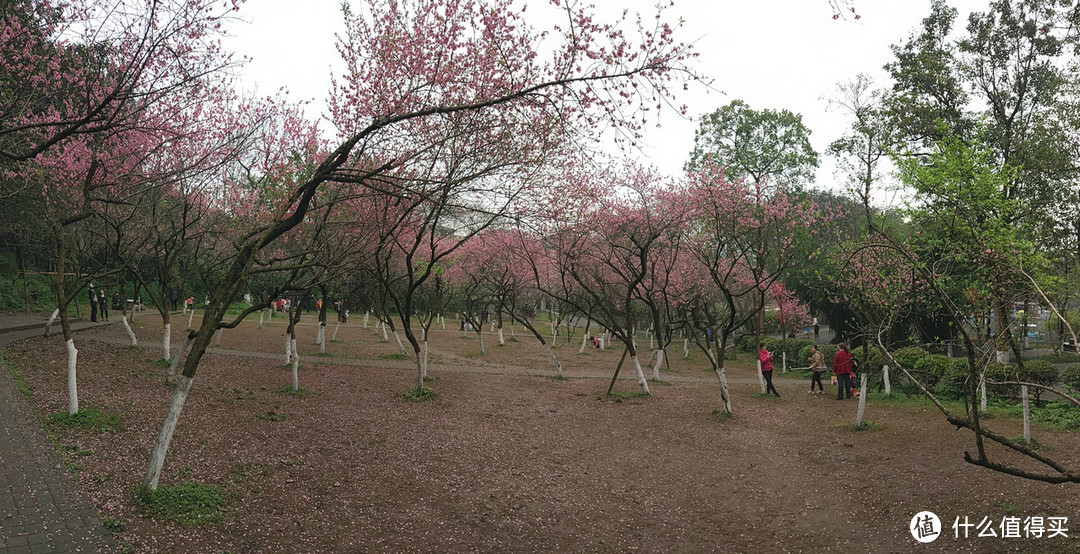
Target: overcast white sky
[[777, 54]]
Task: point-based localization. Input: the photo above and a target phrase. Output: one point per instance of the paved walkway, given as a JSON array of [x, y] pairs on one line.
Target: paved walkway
[[42, 507]]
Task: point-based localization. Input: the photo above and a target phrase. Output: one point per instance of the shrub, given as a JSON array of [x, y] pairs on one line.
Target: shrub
[[1070, 376], [1040, 372]]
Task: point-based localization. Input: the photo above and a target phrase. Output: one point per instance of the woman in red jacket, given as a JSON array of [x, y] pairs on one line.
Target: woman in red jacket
[[841, 368], [766, 370]]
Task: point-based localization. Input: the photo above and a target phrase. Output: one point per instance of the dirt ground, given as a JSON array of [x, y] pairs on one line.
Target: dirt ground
[[508, 459]]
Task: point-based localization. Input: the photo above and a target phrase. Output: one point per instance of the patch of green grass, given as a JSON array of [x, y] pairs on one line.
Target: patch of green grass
[[20, 382], [476, 354], [867, 426], [337, 341], [559, 377], [190, 504], [512, 339], [430, 378], [419, 394], [162, 363], [322, 355], [131, 348], [394, 356], [721, 415], [299, 392], [115, 526], [1034, 445], [1009, 508], [273, 416], [87, 419]]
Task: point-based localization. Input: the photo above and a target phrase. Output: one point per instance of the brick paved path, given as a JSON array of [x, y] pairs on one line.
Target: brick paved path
[[42, 507]]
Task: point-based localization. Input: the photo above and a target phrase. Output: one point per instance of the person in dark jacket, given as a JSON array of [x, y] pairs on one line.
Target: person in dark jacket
[[103, 305], [93, 302]]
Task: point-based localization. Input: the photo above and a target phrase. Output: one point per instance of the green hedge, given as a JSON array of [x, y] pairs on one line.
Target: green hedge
[[1070, 377]]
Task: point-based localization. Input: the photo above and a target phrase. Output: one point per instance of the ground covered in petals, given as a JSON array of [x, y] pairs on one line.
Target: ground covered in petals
[[507, 458]]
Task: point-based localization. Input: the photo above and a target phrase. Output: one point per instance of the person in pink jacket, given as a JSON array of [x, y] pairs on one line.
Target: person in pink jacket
[[766, 370], [842, 370]]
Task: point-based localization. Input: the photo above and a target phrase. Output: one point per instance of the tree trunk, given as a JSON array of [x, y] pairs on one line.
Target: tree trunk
[[366, 315], [721, 375], [170, 377], [760, 376], [336, 327], [502, 340], [642, 381], [127, 329], [217, 338], [190, 317], [48, 325], [554, 360], [261, 317], [322, 337], [480, 336], [288, 348], [885, 379], [157, 455], [166, 340], [295, 368], [400, 345], [1027, 414], [72, 378], [659, 353], [862, 402]]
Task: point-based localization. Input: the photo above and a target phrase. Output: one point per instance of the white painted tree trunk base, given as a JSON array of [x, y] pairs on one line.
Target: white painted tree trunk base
[[885, 379], [166, 343], [217, 338], [1027, 414], [642, 381], [127, 329], [72, 377], [725, 395], [554, 360], [157, 455], [502, 340], [862, 402], [52, 318], [288, 349], [760, 377], [400, 345], [336, 327], [659, 354]]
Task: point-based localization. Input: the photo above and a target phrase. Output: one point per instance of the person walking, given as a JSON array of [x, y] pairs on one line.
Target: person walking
[[766, 370], [817, 365], [842, 372]]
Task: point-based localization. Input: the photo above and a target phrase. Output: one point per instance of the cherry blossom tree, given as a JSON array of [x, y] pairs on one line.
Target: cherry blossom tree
[[744, 238], [426, 76]]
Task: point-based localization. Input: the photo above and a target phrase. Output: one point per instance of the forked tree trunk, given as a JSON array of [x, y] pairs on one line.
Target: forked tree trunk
[[72, 378], [161, 446], [170, 377]]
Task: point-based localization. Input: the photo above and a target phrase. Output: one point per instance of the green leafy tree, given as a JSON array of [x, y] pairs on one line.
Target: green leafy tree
[[757, 145]]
